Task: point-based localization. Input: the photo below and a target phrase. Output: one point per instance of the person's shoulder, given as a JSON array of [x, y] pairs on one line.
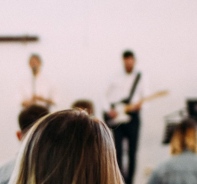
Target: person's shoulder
[[189, 158], [134, 73], [6, 170], [173, 167], [113, 77], [46, 79], [7, 164], [157, 174], [176, 162], [164, 166]]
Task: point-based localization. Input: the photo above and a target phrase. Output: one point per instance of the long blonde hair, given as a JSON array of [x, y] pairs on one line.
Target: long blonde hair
[[184, 137], [68, 147]]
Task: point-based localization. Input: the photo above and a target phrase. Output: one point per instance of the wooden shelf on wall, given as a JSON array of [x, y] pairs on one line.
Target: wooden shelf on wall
[[22, 39]]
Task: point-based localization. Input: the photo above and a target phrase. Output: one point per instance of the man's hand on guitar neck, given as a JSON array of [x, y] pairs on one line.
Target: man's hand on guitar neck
[[133, 107]]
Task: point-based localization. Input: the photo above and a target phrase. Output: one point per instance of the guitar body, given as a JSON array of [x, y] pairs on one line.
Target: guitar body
[[122, 117], [111, 123]]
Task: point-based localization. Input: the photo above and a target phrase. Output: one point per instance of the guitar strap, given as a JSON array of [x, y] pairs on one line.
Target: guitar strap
[[132, 91], [133, 88]]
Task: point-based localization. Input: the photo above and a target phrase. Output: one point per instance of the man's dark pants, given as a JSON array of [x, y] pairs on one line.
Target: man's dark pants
[[129, 131]]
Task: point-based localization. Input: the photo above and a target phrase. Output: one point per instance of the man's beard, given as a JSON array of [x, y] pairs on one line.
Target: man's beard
[[35, 71], [129, 70]]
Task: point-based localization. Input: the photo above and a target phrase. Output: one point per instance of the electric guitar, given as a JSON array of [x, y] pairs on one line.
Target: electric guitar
[[122, 116]]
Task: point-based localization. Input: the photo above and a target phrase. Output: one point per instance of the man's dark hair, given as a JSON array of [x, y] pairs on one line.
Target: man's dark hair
[[127, 54], [30, 115]]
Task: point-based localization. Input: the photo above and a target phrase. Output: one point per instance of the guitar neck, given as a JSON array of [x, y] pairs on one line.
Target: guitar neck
[[152, 97], [147, 99]]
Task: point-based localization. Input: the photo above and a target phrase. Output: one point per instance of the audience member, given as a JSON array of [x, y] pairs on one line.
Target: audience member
[[67, 147], [26, 119], [182, 167]]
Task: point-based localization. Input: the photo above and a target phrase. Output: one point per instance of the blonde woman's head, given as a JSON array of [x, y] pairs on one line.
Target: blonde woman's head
[[68, 147], [184, 137]]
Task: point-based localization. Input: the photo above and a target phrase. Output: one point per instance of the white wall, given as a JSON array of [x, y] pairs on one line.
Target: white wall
[[81, 43]]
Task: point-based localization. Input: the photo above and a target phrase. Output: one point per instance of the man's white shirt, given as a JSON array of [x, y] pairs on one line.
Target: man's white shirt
[[120, 87], [40, 86]]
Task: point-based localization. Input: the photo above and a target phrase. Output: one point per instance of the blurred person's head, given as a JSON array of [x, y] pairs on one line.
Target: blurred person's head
[[128, 60], [86, 105], [28, 117], [68, 147], [35, 64], [184, 137]]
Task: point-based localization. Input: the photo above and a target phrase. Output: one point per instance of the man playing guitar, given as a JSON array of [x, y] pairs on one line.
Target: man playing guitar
[[126, 127]]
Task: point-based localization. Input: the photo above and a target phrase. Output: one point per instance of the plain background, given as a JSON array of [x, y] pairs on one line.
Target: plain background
[[81, 44]]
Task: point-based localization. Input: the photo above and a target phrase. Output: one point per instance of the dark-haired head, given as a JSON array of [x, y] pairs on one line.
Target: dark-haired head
[[127, 54], [30, 115], [129, 61], [68, 147]]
